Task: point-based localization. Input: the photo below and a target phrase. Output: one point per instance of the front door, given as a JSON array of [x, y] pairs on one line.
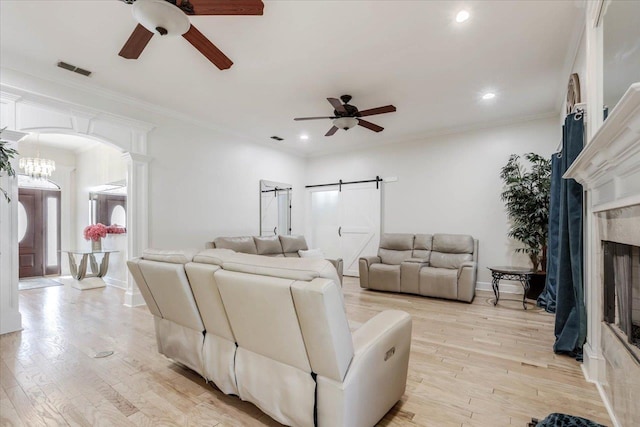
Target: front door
[[39, 232]]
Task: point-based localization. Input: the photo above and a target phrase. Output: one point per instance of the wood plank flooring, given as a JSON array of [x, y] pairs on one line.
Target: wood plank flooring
[[471, 365]]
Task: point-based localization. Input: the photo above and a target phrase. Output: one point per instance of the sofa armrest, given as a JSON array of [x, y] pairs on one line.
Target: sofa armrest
[[364, 263], [467, 280], [370, 260], [377, 375], [339, 265]]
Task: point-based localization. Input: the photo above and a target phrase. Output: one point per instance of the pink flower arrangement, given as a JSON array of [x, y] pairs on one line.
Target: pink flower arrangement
[[116, 229], [95, 232]]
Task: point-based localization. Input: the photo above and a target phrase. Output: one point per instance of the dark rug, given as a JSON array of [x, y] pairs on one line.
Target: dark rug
[[563, 420], [37, 283]]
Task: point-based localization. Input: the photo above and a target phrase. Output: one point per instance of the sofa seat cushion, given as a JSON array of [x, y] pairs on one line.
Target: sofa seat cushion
[[384, 277], [268, 245], [439, 282], [243, 244]]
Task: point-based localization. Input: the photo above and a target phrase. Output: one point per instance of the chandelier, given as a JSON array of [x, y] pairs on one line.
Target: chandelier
[[36, 167]]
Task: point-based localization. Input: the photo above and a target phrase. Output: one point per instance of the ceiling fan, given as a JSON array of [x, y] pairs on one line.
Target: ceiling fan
[[169, 17], [347, 116]]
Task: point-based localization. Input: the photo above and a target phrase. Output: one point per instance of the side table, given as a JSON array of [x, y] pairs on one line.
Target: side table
[[88, 257], [520, 274]]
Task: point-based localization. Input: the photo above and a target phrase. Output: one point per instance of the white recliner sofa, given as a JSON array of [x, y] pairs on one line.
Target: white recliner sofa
[[274, 332]]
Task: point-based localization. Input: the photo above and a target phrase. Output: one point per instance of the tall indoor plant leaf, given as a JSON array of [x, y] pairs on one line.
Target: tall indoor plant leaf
[[6, 154], [526, 195]]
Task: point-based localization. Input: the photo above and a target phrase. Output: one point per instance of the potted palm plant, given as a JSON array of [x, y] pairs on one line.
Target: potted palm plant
[[6, 154], [526, 196]]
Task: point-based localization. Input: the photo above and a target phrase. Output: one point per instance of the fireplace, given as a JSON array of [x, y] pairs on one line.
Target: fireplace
[[609, 170], [621, 308]]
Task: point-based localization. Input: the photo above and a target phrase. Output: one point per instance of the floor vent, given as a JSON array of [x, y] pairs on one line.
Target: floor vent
[[74, 68]]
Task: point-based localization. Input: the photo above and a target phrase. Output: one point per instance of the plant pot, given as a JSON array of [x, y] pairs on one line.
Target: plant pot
[[96, 245], [536, 284]]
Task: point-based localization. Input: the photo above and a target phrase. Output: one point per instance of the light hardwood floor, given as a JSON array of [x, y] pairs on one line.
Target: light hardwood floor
[[471, 365]]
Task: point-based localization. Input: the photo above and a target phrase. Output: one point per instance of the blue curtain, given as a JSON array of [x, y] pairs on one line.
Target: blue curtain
[[564, 289], [547, 298]]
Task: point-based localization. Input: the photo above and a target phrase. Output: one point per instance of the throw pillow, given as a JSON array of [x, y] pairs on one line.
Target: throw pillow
[[311, 253]]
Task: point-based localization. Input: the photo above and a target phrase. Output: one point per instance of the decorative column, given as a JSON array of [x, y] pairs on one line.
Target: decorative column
[[137, 217]]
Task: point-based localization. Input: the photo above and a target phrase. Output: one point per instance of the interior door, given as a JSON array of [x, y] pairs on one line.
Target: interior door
[[30, 236], [359, 224], [325, 221], [38, 232], [269, 212], [345, 224]]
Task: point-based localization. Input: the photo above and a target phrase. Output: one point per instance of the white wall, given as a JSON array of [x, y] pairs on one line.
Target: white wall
[[447, 184], [203, 186]]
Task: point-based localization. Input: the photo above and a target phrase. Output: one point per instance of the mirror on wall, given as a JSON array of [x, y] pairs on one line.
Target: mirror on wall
[[275, 208], [621, 49], [109, 204]]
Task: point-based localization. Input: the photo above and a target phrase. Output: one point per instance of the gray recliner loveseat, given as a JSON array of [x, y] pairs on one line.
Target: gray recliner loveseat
[[439, 265]]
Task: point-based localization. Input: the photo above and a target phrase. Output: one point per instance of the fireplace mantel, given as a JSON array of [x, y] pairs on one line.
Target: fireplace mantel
[[609, 165], [609, 170]]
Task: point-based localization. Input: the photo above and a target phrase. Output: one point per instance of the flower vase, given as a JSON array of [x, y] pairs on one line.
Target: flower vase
[[96, 245]]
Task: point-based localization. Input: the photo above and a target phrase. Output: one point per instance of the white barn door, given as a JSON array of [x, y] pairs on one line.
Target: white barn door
[[345, 224]]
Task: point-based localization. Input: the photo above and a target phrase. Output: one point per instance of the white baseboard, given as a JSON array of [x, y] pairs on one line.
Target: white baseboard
[[121, 284], [608, 406], [133, 298], [505, 288]]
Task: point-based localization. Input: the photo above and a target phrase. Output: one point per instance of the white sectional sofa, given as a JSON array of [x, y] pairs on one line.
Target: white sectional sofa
[[274, 332]]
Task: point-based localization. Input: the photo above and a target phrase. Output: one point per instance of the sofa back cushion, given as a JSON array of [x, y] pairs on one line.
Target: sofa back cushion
[[422, 246], [263, 316], [268, 245], [395, 248], [451, 250], [288, 268], [171, 292], [292, 244], [243, 244], [324, 325], [205, 290]]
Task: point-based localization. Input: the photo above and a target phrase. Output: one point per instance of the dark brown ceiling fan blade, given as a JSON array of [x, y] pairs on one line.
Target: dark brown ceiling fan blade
[[337, 105], [331, 131], [136, 43], [369, 125], [227, 7], [314, 118], [379, 110], [208, 49]]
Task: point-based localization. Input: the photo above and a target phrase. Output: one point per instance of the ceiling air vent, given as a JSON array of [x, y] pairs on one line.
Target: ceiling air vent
[[277, 138], [74, 68]]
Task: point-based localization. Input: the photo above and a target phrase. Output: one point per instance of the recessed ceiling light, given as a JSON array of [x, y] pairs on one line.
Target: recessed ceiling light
[[304, 137], [462, 16], [489, 95]]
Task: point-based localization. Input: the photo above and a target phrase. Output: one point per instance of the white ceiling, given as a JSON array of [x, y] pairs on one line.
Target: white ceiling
[[64, 142], [410, 54]]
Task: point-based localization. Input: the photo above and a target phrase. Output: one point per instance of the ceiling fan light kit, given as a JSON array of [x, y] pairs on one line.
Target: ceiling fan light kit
[[345, 123], [161, 17], [347, 116]]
